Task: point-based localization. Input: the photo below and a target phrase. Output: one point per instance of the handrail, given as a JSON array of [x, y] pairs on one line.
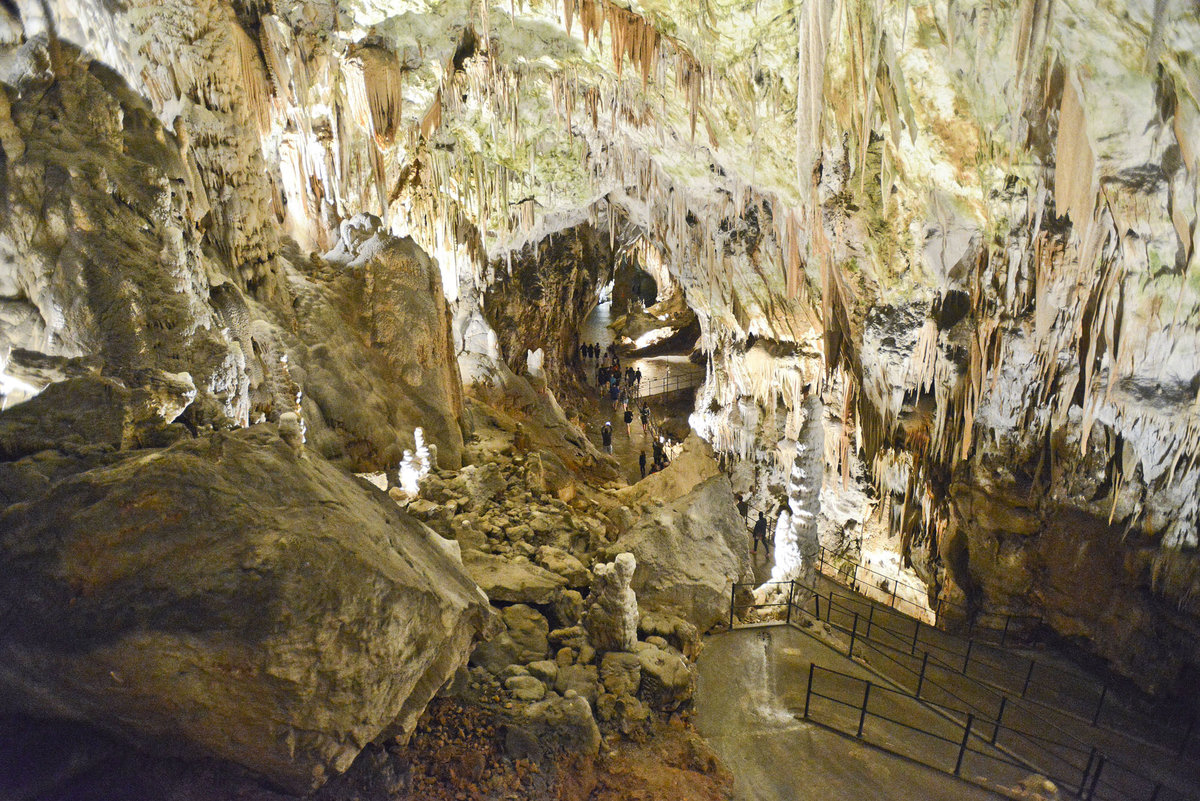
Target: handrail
[[1004, 696], [1088, 781], [1096, 692], [1095, 760]]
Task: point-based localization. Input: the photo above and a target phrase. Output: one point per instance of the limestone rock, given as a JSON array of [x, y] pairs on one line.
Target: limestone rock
[[482, 484], [556, 560], [528, 630], [668, 681], [525, 688], [612, 614], [689, 553], [224, 597], [511, 581], [621, 672], [545, 670], [563, 724], [580, 678], [568, 608]]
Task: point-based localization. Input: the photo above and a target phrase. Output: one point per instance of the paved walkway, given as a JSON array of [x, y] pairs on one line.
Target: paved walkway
[[1049, 728], [750, 693]]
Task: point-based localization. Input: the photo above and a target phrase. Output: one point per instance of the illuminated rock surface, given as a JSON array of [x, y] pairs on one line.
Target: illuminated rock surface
[[945, 250]]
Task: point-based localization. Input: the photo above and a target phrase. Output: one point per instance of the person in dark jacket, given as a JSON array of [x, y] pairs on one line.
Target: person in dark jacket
[[606, 437], [760, 533], [642, 464]]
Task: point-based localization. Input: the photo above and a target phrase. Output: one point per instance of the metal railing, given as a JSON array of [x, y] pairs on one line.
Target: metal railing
[[1066, 758], [672, 382], [876, 714], [869, 582], [983, 651]]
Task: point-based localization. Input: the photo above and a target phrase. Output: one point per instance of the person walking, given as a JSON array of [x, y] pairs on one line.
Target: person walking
[[606, 437], [760, 533], [642, 463], [645, 418], [628, 422]]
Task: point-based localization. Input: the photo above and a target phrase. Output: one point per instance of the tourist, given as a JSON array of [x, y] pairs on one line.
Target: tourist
[[645, 418], [642, 462], [606, 437], [760, 533], [614, 392], [628, 421], [743, 507]]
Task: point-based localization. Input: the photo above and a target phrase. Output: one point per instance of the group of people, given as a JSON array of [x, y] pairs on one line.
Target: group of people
[[592, 350], [658, 448], [620, 387]]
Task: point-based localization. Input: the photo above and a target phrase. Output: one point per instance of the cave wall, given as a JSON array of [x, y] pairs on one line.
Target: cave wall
[[543, 292]]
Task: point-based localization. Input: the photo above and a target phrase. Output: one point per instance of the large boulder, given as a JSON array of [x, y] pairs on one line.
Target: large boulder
[[689, 553], [373, 351], [228, 596], [513, 581]]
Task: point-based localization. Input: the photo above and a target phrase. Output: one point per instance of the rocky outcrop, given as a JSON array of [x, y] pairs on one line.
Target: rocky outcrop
[[512, 581], [225, 596], [372, 354], [543, 292], [689, 552]]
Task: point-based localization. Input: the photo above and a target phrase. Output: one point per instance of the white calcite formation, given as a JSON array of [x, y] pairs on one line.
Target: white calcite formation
[[612, 615]]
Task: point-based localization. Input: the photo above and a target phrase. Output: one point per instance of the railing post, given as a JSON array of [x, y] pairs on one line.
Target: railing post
[[962, 748], [916, 633], [921, 677], [1087, 771], [1028, 678], [1100, 704], [870, 619], [967, 656], [999, 718], [1095, 778], [812, 666], [817, 605], [895, 584], [791, 588], [1004, 634], [853, 634], [863, 715], [732, 596]]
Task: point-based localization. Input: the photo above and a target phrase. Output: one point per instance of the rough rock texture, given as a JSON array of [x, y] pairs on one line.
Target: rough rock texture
[[228, 597], [668, 681], [689, 552], [374, 358], [511, 581], [612, 613], [563, 724], [543, 292]]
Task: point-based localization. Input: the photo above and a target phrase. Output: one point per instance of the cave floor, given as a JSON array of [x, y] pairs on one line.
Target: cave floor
[[749, 699]]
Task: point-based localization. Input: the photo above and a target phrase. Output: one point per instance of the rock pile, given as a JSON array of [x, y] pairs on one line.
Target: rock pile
[[564, 667]]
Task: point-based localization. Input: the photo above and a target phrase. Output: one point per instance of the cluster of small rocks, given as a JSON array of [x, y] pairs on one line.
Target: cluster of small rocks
[[564, 666]]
